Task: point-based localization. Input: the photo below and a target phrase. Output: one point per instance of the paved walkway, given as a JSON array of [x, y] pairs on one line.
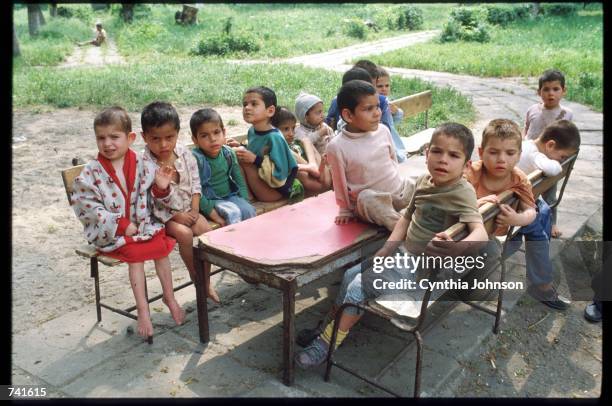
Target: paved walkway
[[75, 357]]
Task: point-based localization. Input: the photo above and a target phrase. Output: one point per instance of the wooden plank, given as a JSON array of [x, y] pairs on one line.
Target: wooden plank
[[68, 176], [414, 104]]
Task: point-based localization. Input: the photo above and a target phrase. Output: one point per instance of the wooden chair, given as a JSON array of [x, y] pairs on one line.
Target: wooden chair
[[414, 105]]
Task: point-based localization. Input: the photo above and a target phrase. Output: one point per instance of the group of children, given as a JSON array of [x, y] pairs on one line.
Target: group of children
[[135, 206]]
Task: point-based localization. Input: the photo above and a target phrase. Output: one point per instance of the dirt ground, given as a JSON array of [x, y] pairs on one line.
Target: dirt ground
[[48, 278]]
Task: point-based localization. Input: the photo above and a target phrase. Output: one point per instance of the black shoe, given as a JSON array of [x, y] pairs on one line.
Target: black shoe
[[304, 337], [550, 297], [592, 313]]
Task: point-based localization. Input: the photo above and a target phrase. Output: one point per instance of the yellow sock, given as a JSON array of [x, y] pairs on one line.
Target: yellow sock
[[327, 334]]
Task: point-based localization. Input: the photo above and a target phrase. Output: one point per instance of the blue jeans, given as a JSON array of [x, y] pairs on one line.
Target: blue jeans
[[537, 245], [234, 209]]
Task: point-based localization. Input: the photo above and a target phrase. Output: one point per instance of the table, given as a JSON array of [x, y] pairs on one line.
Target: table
[[285, 249]]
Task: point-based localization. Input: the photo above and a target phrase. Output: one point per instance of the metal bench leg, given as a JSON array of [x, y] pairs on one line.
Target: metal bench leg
[[500, 296], [201, 287], [332, 344], [419, 362], [288, 333], [93, 264]]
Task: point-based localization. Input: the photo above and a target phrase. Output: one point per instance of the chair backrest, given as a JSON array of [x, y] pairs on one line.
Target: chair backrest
[[68, 176], [414, 104]]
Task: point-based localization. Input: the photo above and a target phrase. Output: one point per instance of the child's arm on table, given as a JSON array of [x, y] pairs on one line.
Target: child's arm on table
[[345, 213]]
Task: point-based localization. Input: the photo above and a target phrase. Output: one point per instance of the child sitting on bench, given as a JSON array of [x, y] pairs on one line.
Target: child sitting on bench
[[119, 197], [309, 111], [269, 166], [160, 127], [442, 198]]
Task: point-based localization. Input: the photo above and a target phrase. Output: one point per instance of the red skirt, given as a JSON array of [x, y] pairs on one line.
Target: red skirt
[[157, 247]]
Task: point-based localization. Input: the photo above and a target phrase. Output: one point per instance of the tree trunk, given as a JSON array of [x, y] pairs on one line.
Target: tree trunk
[[127, 11], [33, 22], [53, 10], [40, 16], [16, 51], [535, 9]]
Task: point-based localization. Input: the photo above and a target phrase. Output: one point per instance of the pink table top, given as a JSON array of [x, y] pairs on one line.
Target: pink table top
[[300, 233]]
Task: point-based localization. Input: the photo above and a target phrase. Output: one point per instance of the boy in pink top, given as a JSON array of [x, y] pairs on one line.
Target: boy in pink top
[[363, 162]]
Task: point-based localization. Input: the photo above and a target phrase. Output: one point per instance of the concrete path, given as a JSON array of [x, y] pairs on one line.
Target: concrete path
[[73, 356]]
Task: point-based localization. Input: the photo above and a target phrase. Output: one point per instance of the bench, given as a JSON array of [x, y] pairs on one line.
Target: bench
[[409, 316], [412, 106]]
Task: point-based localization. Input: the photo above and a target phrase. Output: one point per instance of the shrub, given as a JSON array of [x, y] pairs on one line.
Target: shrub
[[505, 14], [410, 18], [64, 12], [356, 28], [558, 9], [223, 44], [466, 24]]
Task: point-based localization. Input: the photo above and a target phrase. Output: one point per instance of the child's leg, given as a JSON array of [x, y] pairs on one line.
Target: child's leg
[[164, 273], [312, 186], [137, 281], [377, 207], [246, 209], [311, 152], [200, 227], [262, 191], [550, 196]]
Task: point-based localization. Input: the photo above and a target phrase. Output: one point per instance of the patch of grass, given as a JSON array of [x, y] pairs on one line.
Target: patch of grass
[[573, 45], [134, 86]]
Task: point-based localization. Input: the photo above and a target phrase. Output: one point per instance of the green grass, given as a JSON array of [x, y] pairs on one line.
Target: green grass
[[190, 81], [573, 45]]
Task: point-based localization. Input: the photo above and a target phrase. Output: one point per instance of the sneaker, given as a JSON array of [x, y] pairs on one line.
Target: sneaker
[[550, 297], [305, 336], [592, 313], [313, 355]]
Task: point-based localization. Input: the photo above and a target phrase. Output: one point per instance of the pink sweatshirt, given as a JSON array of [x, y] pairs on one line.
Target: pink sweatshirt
[[362, 161]]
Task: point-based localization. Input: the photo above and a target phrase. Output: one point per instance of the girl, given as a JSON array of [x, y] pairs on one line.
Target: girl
[[160, 127]]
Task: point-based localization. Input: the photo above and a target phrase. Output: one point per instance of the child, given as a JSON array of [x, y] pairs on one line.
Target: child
[[225, 197], [383, 85], [496, 172], [551, 89], [309, 111], [160, 128], [269, 166], [363, 161], [313, 172], [558, 141], [442, 198], [118, 197], [357, 72], [100, 36]]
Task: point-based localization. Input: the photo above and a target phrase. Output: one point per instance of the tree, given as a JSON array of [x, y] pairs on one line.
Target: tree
[[33, 19], [127, 11], [16, 51], [53, 9], [40, 16], [535, 9]]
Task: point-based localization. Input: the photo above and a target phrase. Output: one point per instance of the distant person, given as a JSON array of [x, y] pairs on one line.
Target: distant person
[[100, 37], [383, 85]]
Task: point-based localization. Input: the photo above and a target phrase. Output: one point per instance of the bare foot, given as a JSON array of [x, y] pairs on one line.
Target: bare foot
[[145, 327], [212, 294], [177, 312], [555, 232]]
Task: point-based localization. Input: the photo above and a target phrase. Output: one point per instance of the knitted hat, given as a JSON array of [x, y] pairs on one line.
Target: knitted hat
[[303, 103]]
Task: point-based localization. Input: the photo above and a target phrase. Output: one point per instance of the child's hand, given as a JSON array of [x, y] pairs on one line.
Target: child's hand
[[324, 159], [183, 218], [343, 219], [487, 199], [163, 176], [232, 142], [393, 108], [441, 244], [507, 216], [193, 214], [214, 216], [245, 156], [131, 230]]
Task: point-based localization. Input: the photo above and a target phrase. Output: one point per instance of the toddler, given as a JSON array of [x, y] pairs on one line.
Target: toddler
[[383, 85], [119, 197], [309, 111], [160, 129]]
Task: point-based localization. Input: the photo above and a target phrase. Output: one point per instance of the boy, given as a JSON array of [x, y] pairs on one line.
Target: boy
[[497, 171], [363, 161], [100, 36], [119, 197], [551, 89], [442, 198], [558, 141], [383, 85]]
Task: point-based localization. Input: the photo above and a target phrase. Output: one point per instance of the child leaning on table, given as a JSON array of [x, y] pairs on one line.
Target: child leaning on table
[[363, 162], [496, 172], [225, 198], [119, 197], [160, 128], [442, 198], [269, 166]]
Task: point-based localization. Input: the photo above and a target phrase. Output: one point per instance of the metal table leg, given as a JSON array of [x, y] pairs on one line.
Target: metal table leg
[[201, 297], [288, 333]]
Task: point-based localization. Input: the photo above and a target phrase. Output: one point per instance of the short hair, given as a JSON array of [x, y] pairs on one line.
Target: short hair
[[356, 73], [459, 132], [202, 116], [382, 73], [283, 114], [351, 92], [114, 115], [157, 114], [267, 95], [564, 133], [551, 75], [98, 24], [503, 129], [369, 66]]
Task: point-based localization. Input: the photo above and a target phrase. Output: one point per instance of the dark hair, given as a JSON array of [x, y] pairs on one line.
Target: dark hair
[[282, 114], [157, 114], [369, 66], [551, 75], [382, 73], [114, 116], [503, 129], [351, 92], [459, 132], [204, 116], [268, 96], [356, 73], [564, 133]]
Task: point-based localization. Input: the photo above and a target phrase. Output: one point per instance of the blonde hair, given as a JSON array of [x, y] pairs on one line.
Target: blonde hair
[[503, 129]]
